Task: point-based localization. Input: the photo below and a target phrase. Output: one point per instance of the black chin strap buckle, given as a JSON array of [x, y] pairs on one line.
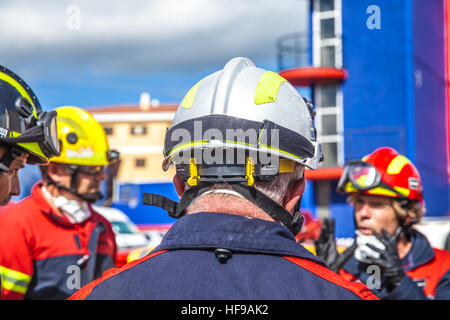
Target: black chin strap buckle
[[297, 222]]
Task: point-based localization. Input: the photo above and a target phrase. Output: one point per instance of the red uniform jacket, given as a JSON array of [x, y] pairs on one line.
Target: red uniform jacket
[[44, 256]]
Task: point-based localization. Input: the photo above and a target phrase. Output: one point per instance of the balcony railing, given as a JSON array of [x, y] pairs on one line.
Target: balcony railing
[[293, 50]]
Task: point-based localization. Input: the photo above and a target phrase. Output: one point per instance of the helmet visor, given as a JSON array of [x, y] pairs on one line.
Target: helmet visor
[[50, 144], [363, 175]]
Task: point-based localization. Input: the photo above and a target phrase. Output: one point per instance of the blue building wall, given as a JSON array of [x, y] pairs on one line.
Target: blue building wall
[[375, 93], [395, 92], [430, 104], [130, 202]]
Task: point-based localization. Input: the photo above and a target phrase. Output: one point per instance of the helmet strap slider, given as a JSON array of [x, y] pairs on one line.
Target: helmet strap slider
[[193, 179], [250, 171]]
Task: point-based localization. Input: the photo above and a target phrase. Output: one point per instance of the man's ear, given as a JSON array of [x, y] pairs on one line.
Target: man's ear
[[54, 171], [293, 194], [179, 185]]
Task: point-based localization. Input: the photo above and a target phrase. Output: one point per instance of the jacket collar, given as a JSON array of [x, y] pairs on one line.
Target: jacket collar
[[420, 253], [208, 230]]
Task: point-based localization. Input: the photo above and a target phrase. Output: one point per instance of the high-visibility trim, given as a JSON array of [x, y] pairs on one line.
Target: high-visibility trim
[[18, 87], [186, 145], [205, 142], [397, 164], [281, 151], [350, 187], [382, 192], [13, 280], [403, 191], [32, 147], [267, 88], [286, 165], [188, 99]]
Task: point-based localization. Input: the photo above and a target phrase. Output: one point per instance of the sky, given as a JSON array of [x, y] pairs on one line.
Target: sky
[[103, 53]]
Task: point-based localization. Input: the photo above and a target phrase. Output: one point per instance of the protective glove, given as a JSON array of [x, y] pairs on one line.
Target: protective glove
[[326, 247], [389, 261]]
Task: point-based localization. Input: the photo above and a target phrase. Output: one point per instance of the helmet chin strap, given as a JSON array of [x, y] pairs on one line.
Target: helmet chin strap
[[9, 156], [276, 211]]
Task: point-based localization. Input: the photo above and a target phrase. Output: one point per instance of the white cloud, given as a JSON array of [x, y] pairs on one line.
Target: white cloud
[[140, 36]]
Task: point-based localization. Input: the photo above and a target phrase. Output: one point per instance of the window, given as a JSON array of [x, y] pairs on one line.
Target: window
[[327, 31], [326, 5], [330, 154], [328, 56], [139, 130], [140, 163], [109, 131], [329, 124], [327, 28], [327, 96]]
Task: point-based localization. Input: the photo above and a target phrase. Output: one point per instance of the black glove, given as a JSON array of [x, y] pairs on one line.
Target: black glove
[[389, 261], [326, 247]]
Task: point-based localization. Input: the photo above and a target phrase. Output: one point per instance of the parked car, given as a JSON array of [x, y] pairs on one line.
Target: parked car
[[437, 231], [128, 235]]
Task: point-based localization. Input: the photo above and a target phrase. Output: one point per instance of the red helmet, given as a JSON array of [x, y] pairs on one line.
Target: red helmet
[[384, 172]]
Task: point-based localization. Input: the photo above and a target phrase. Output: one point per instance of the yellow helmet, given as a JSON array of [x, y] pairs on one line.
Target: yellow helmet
[[83, 139]]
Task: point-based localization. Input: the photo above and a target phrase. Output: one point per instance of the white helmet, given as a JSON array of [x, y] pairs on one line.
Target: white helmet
[[246, 109], [242, 96]]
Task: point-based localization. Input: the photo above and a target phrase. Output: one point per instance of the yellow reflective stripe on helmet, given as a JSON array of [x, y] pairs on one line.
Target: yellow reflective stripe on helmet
[[280, 151], [18, 87], [397, 165], [32, 147], [286, 165], [187, 144], [204, 142], [403, 191], [382, 192], [13, 280], [349, 187], [267, 87], [188, 99]]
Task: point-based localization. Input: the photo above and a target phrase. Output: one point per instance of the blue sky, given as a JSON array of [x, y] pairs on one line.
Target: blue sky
[[104, 53]]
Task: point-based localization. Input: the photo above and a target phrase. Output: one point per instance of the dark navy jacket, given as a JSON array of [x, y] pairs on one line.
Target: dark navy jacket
[[427, 270], [266, 263]]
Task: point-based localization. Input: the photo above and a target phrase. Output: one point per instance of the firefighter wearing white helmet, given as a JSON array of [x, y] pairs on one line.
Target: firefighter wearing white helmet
[[240, 141], [236, 126]]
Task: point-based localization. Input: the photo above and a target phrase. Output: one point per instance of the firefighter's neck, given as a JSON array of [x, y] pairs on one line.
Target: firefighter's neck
[[403, 246], [226, 203]]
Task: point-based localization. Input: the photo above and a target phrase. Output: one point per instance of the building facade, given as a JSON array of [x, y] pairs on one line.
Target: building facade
[[378, 73]]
